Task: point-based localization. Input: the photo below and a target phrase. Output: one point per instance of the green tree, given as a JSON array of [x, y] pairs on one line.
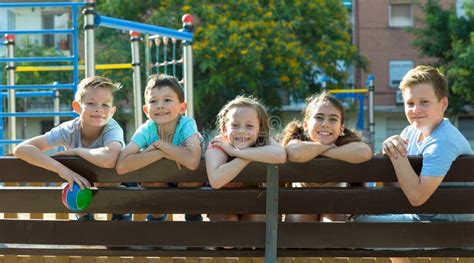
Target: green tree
[[262, 48], [450, 40]]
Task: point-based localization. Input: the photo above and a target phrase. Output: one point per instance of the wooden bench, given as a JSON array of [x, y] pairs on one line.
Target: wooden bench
[[271, 239]]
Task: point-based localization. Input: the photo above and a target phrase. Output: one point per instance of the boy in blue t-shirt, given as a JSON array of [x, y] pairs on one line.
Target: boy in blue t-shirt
[[93, 136], [425, 92], [425, 95], [166, 134]]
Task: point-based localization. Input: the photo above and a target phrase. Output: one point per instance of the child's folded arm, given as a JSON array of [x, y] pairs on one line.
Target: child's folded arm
[[131, 159], [105, 157], [303, 151], [219, 171], [354, 152], [418, 189], [273, 153], [31, 151], [188, 155]]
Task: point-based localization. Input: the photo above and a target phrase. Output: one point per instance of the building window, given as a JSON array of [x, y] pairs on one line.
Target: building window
[[400, 15], [466, 127], [398, 69]]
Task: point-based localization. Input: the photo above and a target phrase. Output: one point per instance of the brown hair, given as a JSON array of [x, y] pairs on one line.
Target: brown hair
[[163, 80], [250, 102], [426, 74], [94, 82], [295, 130]]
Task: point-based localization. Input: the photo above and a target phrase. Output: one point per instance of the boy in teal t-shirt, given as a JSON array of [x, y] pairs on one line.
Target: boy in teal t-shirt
[[166, 134]]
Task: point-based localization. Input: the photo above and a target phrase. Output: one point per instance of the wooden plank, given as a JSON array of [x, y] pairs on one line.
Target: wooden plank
[[120, 200], [328, 260], [11, 259], [367, 235], [62, 259], [378, 169], [351, 200], [166, 260], [422, 260], [9, 215], [21, 171], [36, 215], [360, 201], [465, 260], [197, 234], [87, 259], [326, 170]]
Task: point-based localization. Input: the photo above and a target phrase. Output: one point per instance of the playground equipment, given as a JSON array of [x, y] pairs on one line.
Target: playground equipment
[[12, 114], [92, 20], [360, 95]]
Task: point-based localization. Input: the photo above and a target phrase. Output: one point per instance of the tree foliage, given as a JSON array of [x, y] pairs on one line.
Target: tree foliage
[[262, 48], [450, 40]]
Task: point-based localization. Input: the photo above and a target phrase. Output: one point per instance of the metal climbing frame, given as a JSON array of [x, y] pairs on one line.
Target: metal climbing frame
[[10, 60], [185, 36]]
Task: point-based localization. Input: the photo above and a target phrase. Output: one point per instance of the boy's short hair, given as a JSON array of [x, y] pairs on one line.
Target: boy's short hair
[[163, 80], [94, 82], [426, 74]]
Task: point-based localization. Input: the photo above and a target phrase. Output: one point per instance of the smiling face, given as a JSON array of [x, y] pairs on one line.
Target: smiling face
[[242, 127], [96, 107], [422, 107], [163, 105], [324, 125]]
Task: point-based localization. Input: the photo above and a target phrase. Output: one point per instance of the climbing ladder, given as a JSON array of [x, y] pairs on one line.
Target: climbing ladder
[[35, 90]]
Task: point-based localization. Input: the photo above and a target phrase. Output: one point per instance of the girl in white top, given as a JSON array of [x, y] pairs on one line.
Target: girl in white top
[[244, 137]]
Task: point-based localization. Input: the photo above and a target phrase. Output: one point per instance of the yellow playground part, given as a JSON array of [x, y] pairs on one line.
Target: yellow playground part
[[334, 91], [66, 68]]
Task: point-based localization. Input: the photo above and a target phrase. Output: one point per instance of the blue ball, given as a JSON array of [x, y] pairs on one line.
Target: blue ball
[[77, 199]]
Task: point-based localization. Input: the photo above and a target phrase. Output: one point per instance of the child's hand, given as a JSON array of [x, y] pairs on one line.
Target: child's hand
[[73, 177], [224, 145], [150, 148], [395, 146]]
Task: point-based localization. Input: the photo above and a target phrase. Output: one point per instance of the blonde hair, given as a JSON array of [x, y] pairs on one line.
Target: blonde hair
[[161, 81], [295, 130], [426, 74], [249, 102], [94, 82]]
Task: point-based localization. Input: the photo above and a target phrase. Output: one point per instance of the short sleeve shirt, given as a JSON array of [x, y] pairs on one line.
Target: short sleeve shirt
[[68, 135], [439, 150], [147, 133]]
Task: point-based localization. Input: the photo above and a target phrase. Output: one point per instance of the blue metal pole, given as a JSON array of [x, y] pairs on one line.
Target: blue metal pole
[[142, 28], [19, 5], [38, 59], [37, 114], [40, 86], [37, 32], [75, 49], [29, 94]]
